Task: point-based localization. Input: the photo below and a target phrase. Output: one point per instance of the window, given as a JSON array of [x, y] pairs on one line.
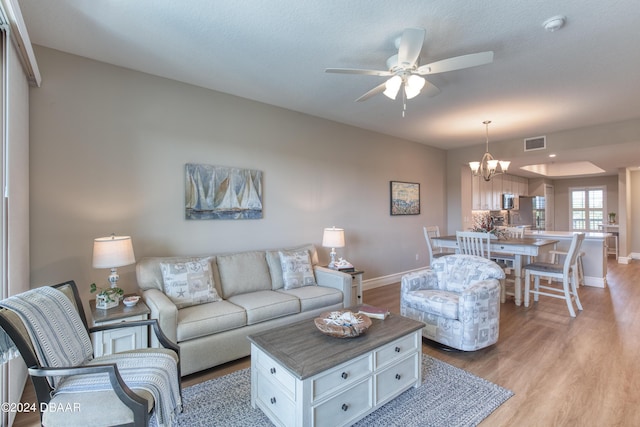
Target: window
[[587, 208]]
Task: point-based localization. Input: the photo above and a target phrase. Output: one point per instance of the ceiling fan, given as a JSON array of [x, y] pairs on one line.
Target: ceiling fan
[[404, 70]]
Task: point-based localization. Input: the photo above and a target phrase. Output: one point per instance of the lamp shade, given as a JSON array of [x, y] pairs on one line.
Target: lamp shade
[[112, 251], [333, 238]]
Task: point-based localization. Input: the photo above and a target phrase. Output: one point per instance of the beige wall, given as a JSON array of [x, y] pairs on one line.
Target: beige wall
[[108, 149]]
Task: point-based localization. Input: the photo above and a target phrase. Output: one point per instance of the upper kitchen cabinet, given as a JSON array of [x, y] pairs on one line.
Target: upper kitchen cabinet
[[487, 195]]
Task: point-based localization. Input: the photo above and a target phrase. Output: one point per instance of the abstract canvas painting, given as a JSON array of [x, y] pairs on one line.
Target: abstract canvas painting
[[219, 192], [405, 198]]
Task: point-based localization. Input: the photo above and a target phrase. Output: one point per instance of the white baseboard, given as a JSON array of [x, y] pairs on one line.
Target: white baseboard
[[596, 282], [377, 282], [632, 255]]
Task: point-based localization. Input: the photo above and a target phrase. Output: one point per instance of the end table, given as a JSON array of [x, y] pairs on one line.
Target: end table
[[117, 340]]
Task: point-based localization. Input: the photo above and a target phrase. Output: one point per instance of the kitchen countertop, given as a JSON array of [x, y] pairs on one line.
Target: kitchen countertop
[[566, 234]]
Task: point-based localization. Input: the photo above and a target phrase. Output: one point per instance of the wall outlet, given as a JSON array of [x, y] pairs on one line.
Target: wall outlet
[[417, 257]]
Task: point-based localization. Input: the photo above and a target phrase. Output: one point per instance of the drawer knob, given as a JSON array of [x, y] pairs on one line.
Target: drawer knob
[[398, 376], [397, 349], [344, 375], [273, 400], [345, 407], [272, 370]]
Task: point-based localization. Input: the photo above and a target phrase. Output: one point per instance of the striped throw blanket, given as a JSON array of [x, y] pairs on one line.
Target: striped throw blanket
[[60, 340], [155, 372], [54, 325]]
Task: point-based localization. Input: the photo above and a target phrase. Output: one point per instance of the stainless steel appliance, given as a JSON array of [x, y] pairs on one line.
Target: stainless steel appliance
[[508, 201], [531, 211]]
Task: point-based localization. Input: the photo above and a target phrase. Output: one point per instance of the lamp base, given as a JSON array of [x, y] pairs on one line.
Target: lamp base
[[332, 264]]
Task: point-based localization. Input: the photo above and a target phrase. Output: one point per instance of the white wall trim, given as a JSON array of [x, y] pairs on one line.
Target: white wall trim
[[377, 282]]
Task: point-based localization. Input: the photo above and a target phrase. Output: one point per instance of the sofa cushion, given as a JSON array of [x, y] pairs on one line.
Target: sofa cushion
[[149, 273], [275, 267], [189, 283], [296, 269], [313, 297], [206, 319], [243, 272], [266, 305], [440, 303]]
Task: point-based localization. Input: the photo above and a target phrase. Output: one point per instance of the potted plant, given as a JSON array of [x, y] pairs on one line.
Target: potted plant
[[107, 297], [612, 217]]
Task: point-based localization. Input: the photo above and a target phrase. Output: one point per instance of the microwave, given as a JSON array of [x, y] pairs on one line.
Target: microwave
[[508, 200]]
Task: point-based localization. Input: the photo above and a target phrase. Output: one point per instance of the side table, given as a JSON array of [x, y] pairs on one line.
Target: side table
[[356, 287], [117, 340]]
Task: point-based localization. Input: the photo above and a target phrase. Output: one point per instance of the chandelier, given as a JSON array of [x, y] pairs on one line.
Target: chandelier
[[488, 166]]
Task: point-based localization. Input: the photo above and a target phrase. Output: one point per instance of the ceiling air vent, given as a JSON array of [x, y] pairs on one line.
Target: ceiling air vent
[[537, 143]]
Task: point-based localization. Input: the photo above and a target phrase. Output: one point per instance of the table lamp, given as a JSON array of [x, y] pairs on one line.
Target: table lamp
[[113, 252], [333, 238]]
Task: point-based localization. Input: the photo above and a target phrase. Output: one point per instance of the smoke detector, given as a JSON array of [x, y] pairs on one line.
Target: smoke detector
[[554, 23]]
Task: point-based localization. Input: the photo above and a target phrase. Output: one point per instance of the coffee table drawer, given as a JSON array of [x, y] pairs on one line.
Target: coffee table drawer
[[341, 376], [397, 350], [276, 372], [396, 378], [344, 407], [275, 400]]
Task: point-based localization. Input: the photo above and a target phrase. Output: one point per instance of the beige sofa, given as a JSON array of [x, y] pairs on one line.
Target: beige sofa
[[252, 295]]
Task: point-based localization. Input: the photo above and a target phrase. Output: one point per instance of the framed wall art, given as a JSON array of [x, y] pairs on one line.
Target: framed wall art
[[219, 192], [405, 198]]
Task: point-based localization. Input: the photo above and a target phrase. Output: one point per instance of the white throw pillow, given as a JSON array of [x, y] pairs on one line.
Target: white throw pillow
[[296, 269], [189, 283]]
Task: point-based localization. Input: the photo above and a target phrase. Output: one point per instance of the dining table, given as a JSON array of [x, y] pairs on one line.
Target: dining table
[[522, 248]]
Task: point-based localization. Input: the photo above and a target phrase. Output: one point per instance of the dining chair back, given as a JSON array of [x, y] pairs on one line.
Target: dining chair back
[[434, 250], [566, 272], [474, 243]]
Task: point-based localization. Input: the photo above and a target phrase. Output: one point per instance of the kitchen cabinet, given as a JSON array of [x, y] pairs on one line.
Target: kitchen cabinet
[[487, 195]]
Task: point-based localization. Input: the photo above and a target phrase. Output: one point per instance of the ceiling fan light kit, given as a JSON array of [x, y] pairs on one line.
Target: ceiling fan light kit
[[488, 167], [404, 69]]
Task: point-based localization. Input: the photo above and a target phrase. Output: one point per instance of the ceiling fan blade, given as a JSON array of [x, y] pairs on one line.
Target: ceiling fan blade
[[410, 46], [358, 71], [373, 92], [456, 63]]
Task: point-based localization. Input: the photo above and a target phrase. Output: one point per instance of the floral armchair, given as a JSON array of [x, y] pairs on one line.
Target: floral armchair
[[458, 299]]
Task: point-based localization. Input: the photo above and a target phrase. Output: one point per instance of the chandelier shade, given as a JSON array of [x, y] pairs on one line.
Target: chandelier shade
[[488, 167]]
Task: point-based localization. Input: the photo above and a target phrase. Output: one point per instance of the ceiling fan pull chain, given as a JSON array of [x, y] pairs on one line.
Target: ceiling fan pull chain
[[404, 102]]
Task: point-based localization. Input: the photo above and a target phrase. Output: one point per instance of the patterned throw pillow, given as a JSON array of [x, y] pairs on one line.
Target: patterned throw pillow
[[189, 283], [296, 269]]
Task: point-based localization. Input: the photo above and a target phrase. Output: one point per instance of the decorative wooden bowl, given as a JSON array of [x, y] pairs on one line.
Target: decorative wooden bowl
[[342, 323]]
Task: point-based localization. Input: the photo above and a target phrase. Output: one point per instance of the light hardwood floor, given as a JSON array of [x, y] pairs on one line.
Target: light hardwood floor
[[564, 371]]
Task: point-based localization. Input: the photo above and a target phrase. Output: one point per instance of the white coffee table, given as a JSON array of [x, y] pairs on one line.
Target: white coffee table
[[301, 377]]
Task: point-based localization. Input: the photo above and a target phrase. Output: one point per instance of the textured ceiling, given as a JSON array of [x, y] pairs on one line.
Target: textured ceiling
[[276, 52]]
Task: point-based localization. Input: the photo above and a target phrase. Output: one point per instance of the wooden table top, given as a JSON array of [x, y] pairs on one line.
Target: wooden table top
[[305, 351]]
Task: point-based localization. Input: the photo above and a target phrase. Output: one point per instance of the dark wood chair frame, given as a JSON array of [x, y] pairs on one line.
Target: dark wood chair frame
[[138, 405]]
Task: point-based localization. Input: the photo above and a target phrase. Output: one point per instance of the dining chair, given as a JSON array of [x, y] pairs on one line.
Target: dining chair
[[578, 265], [566, 272], [434, 251], [474, 243]]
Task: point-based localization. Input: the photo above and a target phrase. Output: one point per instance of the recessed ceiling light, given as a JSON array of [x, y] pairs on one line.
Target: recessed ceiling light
[[554, 23], [552, 155]]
